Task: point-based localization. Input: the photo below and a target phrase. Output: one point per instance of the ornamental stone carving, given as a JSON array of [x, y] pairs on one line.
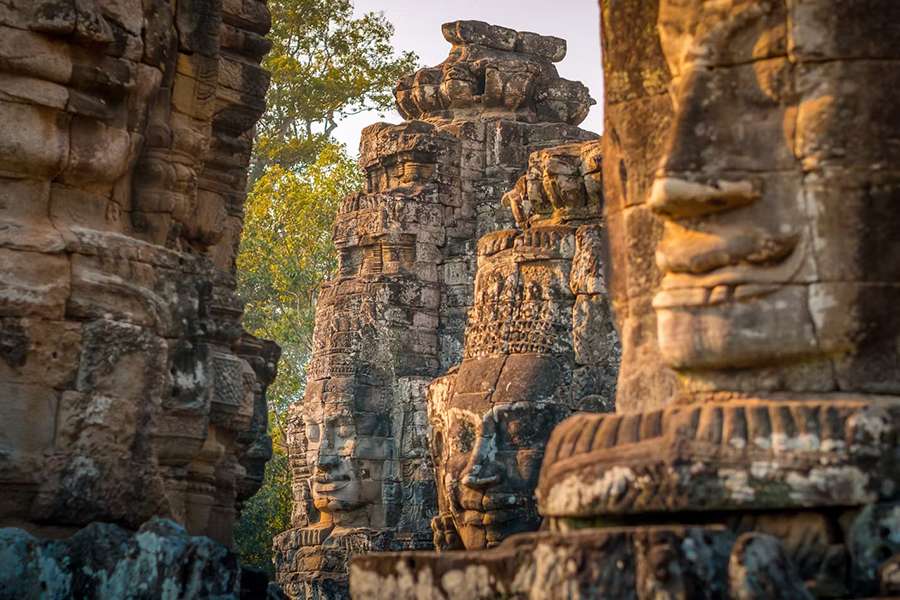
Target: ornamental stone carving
[[747, 178], [780, 424], [129, 389]]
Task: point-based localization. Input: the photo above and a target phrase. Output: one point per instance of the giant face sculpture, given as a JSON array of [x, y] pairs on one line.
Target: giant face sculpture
[[488, 448], [537, 347], [347, 452], [778, 191], [123, 141]]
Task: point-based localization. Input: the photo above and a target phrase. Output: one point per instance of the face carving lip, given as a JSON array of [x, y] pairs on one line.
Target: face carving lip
[[481, 518], [320, 488], [327, 482], [723, 263], [746, 281], [700, 252]]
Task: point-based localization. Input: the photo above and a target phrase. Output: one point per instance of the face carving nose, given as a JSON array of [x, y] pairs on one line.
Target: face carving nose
[[483, 471], [679, 198]]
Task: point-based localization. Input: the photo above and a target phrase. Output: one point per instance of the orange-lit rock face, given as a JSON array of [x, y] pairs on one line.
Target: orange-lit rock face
[[130, 389], [779, 249]]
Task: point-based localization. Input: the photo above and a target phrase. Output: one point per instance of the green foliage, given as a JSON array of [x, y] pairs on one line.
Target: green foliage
[[325, 66], [265, 515], [286, 252]]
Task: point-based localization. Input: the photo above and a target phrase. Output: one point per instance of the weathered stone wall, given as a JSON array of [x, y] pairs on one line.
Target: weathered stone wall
[[105, 562], [781, 424], [394, 316], [128, 388]]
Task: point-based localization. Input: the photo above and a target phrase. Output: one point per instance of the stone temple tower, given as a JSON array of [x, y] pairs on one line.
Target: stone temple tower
[[393, 318]]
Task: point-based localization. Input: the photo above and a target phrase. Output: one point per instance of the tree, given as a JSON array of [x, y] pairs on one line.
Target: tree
[[286, 252], [325, 66]]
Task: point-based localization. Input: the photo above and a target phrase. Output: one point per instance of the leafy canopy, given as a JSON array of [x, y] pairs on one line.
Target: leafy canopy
[[325, 65], [286, 252]]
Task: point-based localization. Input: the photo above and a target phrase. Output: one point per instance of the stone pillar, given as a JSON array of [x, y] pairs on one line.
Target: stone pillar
[[394, 316], [540, 344], [129, 389]]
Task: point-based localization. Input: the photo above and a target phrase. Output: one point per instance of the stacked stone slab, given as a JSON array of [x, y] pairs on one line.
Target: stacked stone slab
[[751, 197], [128, 388], [394, 316], [540, 345]]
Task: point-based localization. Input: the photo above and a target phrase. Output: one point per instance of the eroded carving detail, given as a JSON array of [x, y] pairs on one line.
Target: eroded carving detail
[[394, 316], [539, 345], [758, 388]]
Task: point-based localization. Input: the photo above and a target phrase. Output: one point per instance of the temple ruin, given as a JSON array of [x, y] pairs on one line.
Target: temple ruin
[[129, 388], [394, 317], [753, 449], [658, 364]]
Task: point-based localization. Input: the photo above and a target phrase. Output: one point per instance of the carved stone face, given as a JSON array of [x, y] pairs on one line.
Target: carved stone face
[[775, 194], [488, 448], [78, 80], [346, 453]]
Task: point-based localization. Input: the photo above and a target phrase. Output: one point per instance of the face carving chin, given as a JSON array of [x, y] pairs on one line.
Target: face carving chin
[[491, 458]]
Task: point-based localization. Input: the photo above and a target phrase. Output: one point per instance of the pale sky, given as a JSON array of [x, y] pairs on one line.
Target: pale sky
[[417, 25]]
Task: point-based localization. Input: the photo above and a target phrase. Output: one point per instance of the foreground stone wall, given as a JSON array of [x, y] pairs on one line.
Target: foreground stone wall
[[106, 562], [766, 303], [394, 316], [128, 388]]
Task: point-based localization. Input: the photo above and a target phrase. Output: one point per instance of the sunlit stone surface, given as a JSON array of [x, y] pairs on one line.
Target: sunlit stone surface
[[128, 388], [750, 176]]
